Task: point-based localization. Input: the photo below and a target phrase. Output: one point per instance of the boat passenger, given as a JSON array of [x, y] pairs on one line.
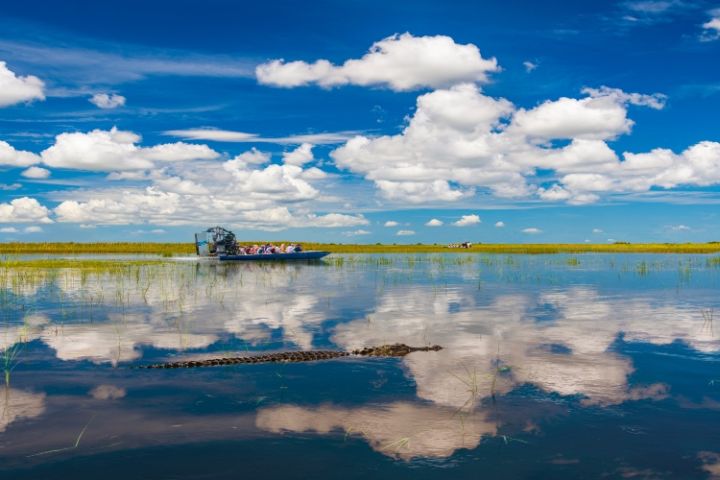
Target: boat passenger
[[298, 248], [290, 248]]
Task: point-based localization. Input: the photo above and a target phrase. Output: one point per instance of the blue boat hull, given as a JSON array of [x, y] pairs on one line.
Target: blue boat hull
[[274, 257]]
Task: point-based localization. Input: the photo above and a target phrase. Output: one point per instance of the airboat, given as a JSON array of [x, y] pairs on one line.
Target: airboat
[[217, 242]]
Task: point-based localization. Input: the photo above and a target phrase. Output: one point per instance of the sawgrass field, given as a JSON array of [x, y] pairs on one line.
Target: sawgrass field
[[171, 249]]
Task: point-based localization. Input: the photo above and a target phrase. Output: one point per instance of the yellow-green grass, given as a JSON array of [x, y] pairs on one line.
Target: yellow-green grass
[[523, 248], [17, 248], [81, 263], [168, 249]]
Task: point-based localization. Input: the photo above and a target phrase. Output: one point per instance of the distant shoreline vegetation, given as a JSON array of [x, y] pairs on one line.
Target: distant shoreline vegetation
[[171, 249]]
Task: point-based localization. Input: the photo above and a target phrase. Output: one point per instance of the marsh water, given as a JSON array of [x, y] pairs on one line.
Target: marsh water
[[557, 366]]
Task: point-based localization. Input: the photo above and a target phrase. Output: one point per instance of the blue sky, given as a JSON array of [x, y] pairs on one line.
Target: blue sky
[[361, 121]]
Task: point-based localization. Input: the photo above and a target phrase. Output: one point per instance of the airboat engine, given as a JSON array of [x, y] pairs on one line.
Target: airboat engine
[[215, 241]]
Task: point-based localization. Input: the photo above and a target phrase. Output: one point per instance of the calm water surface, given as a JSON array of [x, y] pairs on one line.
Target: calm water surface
[[553, 367]]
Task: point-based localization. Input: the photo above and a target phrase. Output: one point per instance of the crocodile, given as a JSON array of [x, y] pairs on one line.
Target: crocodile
[[394, 350]]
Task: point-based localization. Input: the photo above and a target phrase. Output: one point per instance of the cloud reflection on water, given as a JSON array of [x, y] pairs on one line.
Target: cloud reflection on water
[[560, 339], [17, 404], [399, 429], [496, 347]]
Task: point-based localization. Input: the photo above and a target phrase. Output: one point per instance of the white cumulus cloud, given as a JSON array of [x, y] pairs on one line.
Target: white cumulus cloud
[[467, 220], [399, 62], [36, 172], [24, 210], [334, 220], [529, 66], [499, 224], [355, 233], [16, 89], [107, 101], [16, 158], [116, 150], [680, 228], [251, 157], [247, 191], [434, 223], [155, 206], [711, 29], [403, 233], [391, 223], [532, 230], [300, 156], [601, 115], [460, 140]]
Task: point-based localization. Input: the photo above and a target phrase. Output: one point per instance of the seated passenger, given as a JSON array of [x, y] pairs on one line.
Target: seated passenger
[[290, 248], [298, 248]]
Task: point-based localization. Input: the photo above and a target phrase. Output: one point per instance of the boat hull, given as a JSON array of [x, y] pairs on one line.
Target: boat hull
[[275, 257]]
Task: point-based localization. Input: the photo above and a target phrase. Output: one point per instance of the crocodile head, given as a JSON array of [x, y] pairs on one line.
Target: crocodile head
[[394, 350]]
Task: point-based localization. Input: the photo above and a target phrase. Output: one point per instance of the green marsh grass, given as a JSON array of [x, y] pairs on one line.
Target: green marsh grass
[[170, 249], [85, 264]]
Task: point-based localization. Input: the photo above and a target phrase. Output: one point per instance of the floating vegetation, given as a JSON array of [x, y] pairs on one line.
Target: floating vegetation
[[74, 446], [573, 261]]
